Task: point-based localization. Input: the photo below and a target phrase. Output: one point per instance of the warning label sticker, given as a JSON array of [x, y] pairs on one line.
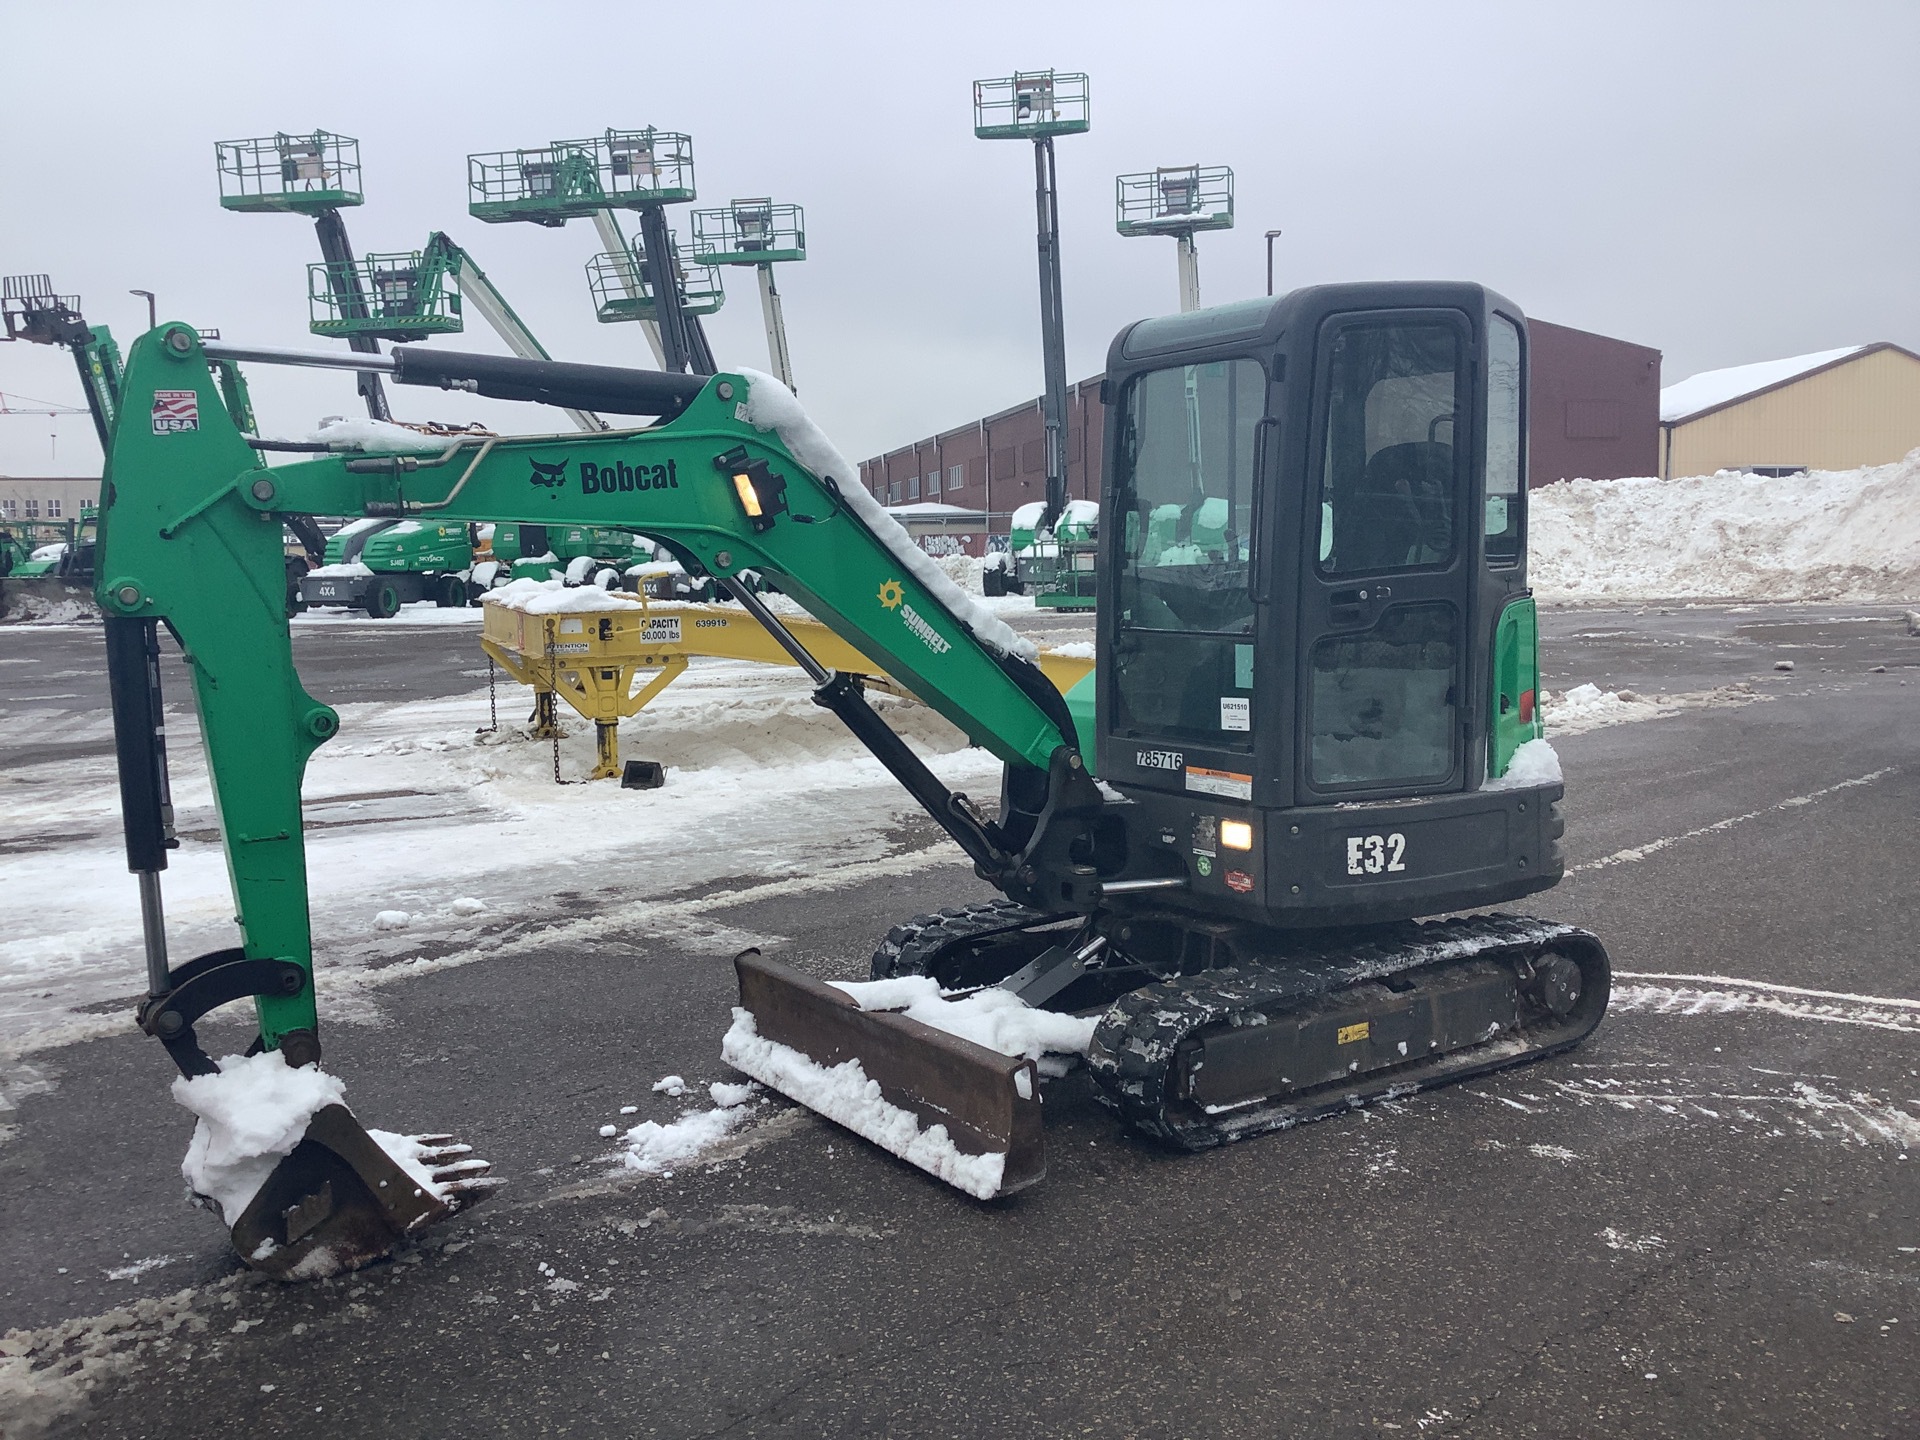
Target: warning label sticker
[[1230, 783], [175, 411]]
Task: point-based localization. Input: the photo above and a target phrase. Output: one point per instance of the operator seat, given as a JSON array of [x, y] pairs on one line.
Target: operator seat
[[1401, 512]]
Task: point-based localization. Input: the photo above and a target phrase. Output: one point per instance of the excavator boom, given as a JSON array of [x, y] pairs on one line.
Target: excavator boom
[[732, 479]]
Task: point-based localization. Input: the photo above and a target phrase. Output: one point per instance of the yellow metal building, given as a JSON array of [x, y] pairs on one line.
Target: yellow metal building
[[1833, 410]]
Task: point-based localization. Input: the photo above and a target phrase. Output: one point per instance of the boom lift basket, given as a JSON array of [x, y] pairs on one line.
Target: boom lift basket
[[620, 290], [407, 296], [303, 174], [1174, 200], [750, 232], [1031, 105], [572, 179]]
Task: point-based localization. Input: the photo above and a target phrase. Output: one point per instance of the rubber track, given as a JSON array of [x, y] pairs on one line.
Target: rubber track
[[1134, 1053], [914, 947]]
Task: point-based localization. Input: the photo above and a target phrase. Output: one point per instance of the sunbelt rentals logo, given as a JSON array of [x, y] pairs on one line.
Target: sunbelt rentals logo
[[893, 596]]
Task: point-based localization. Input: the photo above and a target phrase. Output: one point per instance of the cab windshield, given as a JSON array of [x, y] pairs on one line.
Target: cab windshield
[[1186, 497], [1183, 653]]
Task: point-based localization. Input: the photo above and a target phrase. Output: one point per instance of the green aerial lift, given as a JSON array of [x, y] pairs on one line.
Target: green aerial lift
[[316, 175], [761, 234], [1317, 662], [643, 171], [380, 565]]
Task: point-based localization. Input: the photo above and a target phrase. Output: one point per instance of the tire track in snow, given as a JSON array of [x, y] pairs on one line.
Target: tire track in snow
[[1724, 995]]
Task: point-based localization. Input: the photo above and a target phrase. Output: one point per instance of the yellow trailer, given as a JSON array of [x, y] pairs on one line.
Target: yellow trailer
[[588, 647]]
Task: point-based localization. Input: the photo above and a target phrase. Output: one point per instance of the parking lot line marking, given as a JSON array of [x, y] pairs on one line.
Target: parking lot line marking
[[1654, 847]]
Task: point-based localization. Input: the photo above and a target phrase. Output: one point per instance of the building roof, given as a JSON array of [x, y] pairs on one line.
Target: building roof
[[1712, 389], [930, 510]]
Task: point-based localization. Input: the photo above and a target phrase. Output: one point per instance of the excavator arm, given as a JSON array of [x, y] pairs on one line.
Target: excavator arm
[[190, 539]]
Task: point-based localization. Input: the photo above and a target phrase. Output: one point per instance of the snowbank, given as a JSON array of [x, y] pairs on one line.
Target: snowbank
[[34, 602], [772, 406], [1825, 535]]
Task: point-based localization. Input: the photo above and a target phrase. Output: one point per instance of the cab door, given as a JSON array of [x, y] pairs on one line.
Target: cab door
[[1387, 580]]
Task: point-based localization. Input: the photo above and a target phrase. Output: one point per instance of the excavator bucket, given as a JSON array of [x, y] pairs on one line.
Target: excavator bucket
[[968, 1115], [344, 1198]]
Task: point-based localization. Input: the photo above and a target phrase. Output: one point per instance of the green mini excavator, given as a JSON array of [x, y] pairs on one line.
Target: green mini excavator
[[1317, 659]]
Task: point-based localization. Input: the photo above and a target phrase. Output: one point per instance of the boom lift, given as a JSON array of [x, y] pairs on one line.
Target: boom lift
[[1315, 668], [640, 170], [759, 233], [317, 175]]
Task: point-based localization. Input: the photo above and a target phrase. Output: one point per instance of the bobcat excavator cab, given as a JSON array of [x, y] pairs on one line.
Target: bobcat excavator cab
[[1316, 662]]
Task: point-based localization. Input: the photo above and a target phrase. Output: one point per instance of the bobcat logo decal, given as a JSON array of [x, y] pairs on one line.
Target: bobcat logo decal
[[550, 476]]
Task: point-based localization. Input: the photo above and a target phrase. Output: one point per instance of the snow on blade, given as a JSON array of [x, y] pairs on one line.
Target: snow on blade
[[251, 1115], [772, 406], [995, 1018], [847, 1097], [556, 597]]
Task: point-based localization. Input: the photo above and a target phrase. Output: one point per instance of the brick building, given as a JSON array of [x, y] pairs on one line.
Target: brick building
[[1594, 413]]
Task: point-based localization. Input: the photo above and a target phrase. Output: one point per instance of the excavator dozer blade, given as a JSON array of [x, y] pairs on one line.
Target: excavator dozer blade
[[339, 1200], [963, 1113]]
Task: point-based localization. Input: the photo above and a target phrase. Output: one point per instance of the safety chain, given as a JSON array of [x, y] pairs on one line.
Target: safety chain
[[493, 700], [555, 731]]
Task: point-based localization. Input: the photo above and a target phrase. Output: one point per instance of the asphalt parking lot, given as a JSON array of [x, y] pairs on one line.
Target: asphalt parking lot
[[1704, 1222]]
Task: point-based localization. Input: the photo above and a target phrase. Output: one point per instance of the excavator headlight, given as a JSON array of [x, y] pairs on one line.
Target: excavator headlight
[[1236, 834], [761, 492]]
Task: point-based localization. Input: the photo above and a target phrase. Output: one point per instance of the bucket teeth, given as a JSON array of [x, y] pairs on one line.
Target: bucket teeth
[[347, 1196]]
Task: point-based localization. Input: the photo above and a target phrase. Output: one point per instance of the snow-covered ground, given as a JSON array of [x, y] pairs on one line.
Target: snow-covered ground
[[1825, 535], [426, 839]]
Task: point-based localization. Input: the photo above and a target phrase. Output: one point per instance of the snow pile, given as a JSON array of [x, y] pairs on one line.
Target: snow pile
[[20, 606], [251, 1115], [995, 1018], [771, 406], [655, 1149], [556, 597], [1824, 535], [1534, 763], [846, 1096], [352, 569], [375, 437], [1588, 707]]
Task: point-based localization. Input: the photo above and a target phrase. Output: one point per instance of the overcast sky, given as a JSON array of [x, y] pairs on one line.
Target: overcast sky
[[1729, 182]]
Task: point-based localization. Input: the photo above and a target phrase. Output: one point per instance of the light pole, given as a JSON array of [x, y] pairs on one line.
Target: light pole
[[1272, 235], [153, 313]]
